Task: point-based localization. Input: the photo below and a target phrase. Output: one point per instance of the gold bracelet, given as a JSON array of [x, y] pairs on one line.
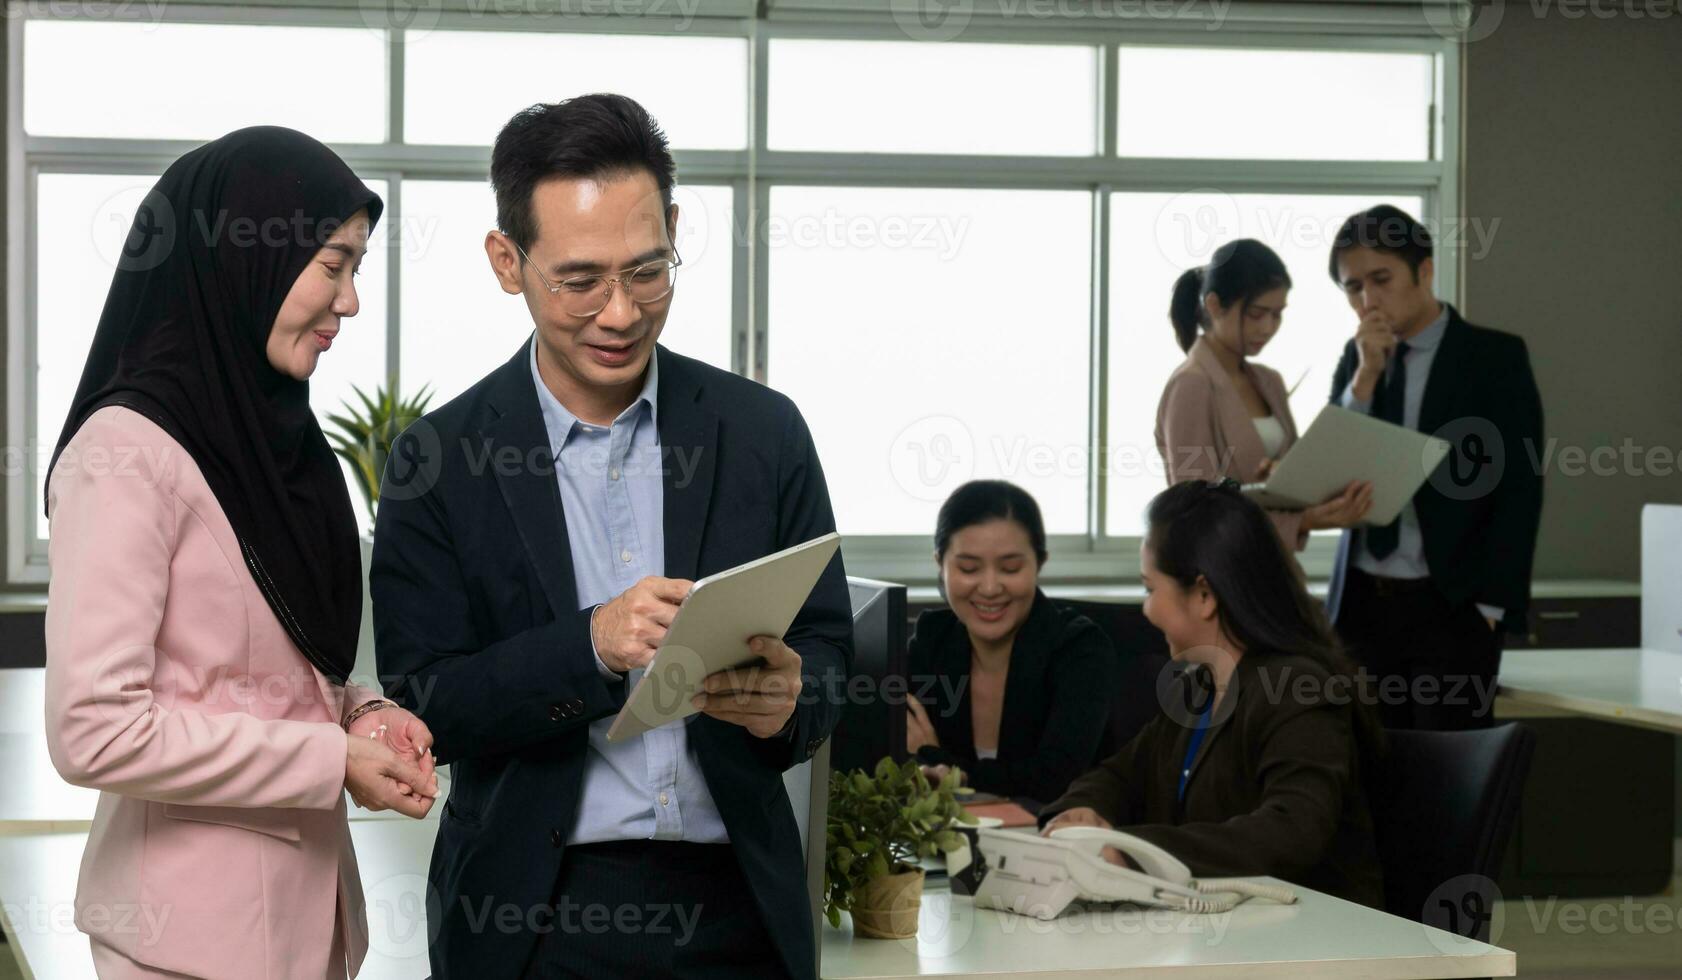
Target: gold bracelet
[[367, 707]]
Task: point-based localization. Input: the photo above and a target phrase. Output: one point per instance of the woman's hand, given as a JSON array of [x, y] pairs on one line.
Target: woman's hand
[[404, 733], [1080, 816], [1342, 510], [918, 730], [381, 778]]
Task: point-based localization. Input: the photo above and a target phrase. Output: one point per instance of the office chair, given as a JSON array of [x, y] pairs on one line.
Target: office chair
[[1443, 806]]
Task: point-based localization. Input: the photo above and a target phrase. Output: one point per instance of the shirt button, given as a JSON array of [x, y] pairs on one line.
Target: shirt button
[[613, 474], [625, 556], [663, 799]]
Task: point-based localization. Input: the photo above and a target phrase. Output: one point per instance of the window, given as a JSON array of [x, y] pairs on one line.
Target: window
[[1013, 99], [955, 256], [697, 87], [1235, 104], [957, 323], [195, 81]]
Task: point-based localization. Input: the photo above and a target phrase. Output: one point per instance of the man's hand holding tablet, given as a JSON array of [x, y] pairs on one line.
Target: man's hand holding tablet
[[628, 629]]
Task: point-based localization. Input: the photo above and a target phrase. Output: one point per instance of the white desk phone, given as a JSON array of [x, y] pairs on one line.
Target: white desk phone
[[1043, 876]]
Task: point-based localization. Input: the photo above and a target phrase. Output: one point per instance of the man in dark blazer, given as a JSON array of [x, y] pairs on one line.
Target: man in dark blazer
[[535, 537], [1422, 603]]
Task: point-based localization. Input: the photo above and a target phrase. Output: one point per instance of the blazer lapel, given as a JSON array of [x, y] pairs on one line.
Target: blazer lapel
[[517, 433], [1237, 430], [688, 457], [1437, 403]]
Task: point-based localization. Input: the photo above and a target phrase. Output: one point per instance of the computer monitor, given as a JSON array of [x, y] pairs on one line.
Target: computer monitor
[[808, 794], [871, 724], [873, 721]]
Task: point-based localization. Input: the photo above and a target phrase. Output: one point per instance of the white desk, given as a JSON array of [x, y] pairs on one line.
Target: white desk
[[1630, 686], [1320, 937]]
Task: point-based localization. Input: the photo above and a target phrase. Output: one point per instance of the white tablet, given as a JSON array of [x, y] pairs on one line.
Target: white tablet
[[713, 626], [1343, 445]]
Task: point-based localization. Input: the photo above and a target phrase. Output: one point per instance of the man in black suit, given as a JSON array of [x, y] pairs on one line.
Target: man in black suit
[[535, 537], [1422, 603]]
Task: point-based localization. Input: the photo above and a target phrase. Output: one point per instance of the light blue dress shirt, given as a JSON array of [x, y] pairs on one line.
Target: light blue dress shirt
[[1408, 560], [613, 497]]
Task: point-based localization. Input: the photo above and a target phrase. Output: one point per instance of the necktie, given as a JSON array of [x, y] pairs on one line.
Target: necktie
[[1387, 405]]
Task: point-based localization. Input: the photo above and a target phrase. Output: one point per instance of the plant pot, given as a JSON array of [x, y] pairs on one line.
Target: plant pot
[[887, 908]]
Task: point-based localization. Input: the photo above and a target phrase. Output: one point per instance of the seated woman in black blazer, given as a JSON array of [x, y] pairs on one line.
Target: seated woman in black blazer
[[1015, 689], [1258, 770]]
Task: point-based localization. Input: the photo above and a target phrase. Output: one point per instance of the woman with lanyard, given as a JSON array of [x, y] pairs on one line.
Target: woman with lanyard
[[1255, 766], [206, 589], [1222, 414]]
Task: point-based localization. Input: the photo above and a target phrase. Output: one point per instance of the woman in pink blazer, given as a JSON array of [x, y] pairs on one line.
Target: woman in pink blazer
[[1223, 415], [206, 584]]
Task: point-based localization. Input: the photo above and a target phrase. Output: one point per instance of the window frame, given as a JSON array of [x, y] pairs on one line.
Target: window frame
[[1092, 557]]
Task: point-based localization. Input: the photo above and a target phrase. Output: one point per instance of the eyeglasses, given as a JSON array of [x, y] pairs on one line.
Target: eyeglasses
[[589, 294]]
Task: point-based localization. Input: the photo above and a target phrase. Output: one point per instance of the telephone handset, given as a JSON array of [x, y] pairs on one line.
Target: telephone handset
[[1043, 876]]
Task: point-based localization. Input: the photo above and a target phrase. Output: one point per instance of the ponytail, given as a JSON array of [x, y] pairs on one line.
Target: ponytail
[[1239, 271], [1185, 310]]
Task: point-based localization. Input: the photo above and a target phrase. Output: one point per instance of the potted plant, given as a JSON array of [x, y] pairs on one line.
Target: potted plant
[[878, 828], [363, 435]]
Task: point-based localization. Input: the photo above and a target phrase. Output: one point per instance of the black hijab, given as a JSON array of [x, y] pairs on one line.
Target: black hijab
[[214, 249]]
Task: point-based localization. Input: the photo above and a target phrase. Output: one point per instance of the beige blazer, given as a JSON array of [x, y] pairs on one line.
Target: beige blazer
[[1204, 432]]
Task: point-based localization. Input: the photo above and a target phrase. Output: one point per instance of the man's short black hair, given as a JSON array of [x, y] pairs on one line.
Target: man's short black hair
[[598, 135], [1383, 228]]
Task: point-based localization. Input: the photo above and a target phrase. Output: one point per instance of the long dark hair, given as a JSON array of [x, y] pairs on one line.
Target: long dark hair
[[1212, 530], [979, 501], [1238, 272]]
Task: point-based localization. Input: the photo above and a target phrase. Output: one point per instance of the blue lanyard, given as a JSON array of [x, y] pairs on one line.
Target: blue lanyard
[[1197, 734]]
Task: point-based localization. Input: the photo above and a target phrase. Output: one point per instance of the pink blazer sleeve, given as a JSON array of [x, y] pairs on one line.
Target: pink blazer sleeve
[[1186, 429], [110, 554]]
